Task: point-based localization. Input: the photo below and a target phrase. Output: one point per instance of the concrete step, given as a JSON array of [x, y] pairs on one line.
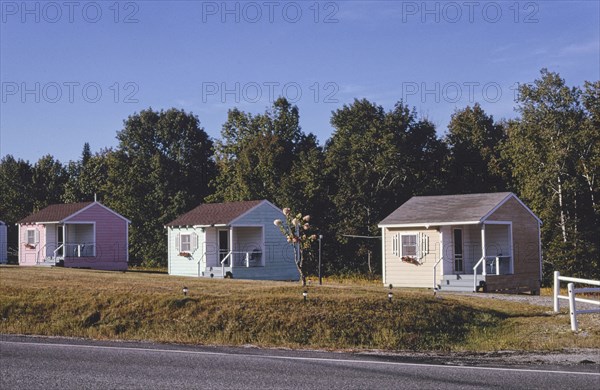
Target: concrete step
[[216, 272], [457, 284], [463, 282], [460, 277], [456, 288]]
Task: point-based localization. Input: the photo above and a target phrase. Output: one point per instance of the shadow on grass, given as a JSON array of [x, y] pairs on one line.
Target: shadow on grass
[[148, 271], [179, 303]]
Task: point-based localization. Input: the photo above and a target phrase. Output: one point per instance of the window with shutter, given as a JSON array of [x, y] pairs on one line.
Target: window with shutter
[[185, 243], [194, 244], [395, 245], [31, 236], [409, 245]]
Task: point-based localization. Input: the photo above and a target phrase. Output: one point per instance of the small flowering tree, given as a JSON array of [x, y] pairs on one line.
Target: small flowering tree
[[295, 228]]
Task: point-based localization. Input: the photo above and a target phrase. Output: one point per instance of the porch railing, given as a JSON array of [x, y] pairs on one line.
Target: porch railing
[[435, 285], [483, 263], [41, 254], [43, 257], [200, 263], [224, 260], [80, 250], [55, 252], [70, 250], [482, 260], [247, 262]]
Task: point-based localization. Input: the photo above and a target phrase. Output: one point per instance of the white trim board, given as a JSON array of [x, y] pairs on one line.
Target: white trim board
[[428, 225]]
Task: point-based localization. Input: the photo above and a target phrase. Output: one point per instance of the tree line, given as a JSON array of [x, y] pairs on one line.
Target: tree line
[[165, 164]]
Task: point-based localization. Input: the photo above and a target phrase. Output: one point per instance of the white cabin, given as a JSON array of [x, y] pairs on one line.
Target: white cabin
[[236, 239]]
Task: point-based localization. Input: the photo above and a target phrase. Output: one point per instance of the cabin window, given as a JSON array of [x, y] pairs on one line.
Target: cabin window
[[31, 237], [185, 244], [409, 245]]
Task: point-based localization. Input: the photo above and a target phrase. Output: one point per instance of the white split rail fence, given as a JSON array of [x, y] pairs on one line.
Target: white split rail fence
[[572, 298]]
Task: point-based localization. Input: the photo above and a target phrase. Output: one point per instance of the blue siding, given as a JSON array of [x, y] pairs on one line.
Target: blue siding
[[278, 254]]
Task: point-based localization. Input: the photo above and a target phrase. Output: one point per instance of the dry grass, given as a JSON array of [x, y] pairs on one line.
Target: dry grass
[[151, 306]]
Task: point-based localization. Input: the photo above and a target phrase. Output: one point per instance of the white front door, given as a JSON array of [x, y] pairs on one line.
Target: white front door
[[60, 240], [223, 242], [458, 251]]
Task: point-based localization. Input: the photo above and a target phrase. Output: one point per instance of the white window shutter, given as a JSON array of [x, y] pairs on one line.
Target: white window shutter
[[37, 236], [423, 245], [194, 244], [178, 241], [397, 244]]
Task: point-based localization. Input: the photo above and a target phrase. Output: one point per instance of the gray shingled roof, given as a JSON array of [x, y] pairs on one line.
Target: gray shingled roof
[[445, 209], [214, 213], [55, 212]]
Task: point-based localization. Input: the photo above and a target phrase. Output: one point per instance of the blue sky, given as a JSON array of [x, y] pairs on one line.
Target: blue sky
[[72, 72]]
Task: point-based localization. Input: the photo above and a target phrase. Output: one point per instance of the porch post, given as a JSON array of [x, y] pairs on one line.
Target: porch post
[[64, 227], [382, 254], [231, 247], [483, 252], [442, 254], [19, 243]]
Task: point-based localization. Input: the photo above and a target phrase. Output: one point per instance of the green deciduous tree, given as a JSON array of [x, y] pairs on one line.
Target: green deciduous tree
[[48, 181], [268, 156], [16, 194], [589, 160], [159, 170], [375, 161], [87, 177], [474, 142], [551, 149]]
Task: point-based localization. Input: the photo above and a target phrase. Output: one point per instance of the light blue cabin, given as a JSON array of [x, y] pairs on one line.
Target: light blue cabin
[[235, 239]]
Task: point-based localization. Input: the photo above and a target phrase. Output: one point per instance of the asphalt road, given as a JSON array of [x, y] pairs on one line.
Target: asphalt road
[[39, 363]]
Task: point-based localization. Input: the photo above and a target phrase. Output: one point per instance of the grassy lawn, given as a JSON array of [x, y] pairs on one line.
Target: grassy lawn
[[339, 316]]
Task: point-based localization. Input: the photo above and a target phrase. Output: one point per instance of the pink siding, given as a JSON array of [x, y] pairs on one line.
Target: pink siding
[[29, 256], [111, 240]]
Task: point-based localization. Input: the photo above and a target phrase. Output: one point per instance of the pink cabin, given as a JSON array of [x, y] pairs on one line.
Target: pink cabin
[[80, 235]]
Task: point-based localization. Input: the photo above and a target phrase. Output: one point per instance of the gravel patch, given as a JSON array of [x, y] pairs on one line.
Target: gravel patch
[[572, 357], [538, 300]]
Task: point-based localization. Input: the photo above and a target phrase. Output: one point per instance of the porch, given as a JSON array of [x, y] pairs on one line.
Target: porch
[[66, 241], [471, 253], [231, 250]]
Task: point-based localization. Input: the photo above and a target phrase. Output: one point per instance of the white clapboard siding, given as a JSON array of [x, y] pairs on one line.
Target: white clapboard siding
[[182, 265]]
